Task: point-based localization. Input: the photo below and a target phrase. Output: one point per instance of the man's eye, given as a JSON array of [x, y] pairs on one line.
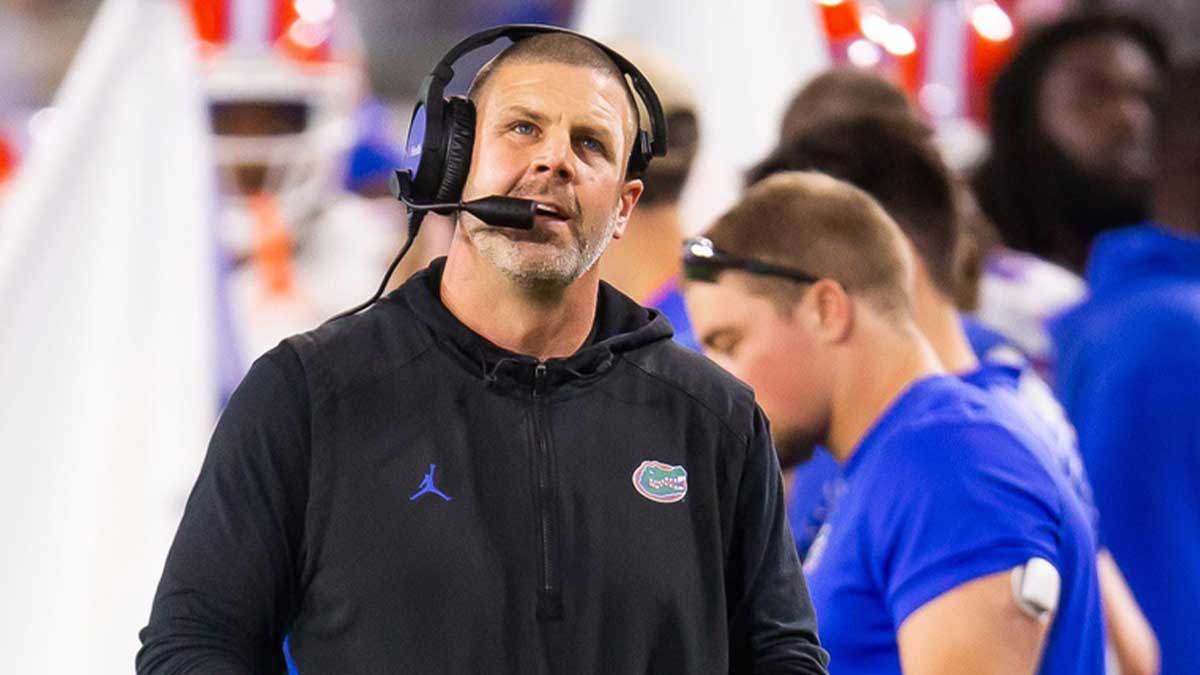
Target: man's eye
[[592, 145], [523, 128], [723, 345]]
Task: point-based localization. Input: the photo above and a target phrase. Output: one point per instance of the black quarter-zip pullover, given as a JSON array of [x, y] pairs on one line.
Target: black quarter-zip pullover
[[393, 494]]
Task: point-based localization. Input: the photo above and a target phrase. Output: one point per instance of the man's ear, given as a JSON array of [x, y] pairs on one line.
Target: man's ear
[[630, 193], [832, 310]]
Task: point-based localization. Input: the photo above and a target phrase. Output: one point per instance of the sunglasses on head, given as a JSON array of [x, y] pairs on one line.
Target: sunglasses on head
[[704, 262]]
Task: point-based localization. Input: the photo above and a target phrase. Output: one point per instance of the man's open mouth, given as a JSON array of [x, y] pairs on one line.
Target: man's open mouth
[[551, 211]]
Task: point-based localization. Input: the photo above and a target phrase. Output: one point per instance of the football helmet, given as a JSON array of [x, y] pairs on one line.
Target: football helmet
[[283, 79]]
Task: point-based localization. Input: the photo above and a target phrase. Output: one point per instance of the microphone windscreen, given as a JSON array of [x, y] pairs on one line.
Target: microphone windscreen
[[503, 211]]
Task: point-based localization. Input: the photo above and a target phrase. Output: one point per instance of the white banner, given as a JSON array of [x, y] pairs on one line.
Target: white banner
[[106, 343]]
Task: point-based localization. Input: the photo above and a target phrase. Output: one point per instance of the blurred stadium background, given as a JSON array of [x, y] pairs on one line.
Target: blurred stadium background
[[95, 475]]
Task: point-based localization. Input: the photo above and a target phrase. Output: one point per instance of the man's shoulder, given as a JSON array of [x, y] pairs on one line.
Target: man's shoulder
[[367, 344], [963, 463], [693, 375], [1139, 330], [1154, 315], [965, 442]]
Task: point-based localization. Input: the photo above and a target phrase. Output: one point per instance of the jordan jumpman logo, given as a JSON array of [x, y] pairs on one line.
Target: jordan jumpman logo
[[427, 486]]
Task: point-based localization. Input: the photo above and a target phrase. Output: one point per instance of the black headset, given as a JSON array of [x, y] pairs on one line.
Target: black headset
[[441, 134]]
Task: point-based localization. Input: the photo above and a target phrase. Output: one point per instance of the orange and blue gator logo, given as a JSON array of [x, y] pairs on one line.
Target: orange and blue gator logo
[[660, 482]]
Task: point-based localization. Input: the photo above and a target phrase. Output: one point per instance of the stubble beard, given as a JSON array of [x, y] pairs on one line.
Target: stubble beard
[[554, 266]]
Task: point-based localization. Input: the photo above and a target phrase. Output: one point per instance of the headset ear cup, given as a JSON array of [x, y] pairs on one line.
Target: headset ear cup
[[460, 143], [639, 159]]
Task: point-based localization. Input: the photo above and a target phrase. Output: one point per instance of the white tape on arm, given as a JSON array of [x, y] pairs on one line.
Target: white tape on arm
[[1036, 586]]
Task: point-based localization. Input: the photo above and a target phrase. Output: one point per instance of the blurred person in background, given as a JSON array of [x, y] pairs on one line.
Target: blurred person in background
[[850, 92], [831, 95], [372, 164], [841, 92], [805, 290], [283, 89], [644, 264], [1071, 156], [893, 159], [1128, 368]]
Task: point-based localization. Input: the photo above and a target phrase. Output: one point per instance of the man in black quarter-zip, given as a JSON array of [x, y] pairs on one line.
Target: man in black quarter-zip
[[505, 466]]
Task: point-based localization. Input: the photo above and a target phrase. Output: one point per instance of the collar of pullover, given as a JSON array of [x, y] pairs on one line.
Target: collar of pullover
[[620, 325]]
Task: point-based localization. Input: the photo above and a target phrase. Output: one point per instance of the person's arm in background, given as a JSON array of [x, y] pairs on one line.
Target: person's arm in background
[[771, 620], [1129, 633], [975, 628], [230, 585]]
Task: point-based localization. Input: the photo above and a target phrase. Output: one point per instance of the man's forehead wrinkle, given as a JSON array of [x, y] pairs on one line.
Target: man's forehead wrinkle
[[522, 110]]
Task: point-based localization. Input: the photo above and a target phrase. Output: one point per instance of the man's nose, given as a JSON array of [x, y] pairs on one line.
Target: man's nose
[[555, 157], [1134, 116]]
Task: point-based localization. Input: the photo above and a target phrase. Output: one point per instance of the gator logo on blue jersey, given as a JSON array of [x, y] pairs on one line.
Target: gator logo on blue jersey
[[660, 482]]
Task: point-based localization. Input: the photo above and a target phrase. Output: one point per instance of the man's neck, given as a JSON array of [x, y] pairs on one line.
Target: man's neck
[[543, 323], [875, 372], [939, 321], [648, 255]]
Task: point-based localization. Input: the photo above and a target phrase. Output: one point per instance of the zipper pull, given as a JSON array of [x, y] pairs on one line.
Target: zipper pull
[[539, 377]]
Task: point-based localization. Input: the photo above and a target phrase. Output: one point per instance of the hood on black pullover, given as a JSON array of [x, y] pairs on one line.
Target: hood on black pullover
[[621, 325]]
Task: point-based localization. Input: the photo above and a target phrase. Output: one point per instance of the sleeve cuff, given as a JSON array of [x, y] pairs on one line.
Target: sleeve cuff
[[913, 592]]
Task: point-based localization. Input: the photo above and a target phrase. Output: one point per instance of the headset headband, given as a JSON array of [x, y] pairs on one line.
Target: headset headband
[[443, 73]]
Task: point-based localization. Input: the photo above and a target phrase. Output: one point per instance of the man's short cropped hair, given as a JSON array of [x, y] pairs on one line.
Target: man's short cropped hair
[[564, 49], [893, 159], [825, 227]]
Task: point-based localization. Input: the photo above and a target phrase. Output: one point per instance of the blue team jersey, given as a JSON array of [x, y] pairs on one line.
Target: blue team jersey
[[1129, 377], [1011, 378], [986, 342], [1028, 398], [669, 300], [813, 493], [945, 488]]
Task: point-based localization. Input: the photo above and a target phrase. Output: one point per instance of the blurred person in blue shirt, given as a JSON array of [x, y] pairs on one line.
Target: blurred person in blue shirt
[[1128, 368], [892, 157], [955, 545], [644, 264]]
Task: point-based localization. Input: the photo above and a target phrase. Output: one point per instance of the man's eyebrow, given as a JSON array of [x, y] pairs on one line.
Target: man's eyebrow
[[517, 110]]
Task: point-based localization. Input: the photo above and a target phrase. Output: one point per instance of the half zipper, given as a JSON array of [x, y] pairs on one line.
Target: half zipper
[[549, 604]]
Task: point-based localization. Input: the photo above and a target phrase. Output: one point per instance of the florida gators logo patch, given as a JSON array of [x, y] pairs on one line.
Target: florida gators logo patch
[[660, 482]]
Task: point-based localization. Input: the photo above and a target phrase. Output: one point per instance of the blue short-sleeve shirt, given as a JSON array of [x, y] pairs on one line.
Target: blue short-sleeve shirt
[[944, 489]]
